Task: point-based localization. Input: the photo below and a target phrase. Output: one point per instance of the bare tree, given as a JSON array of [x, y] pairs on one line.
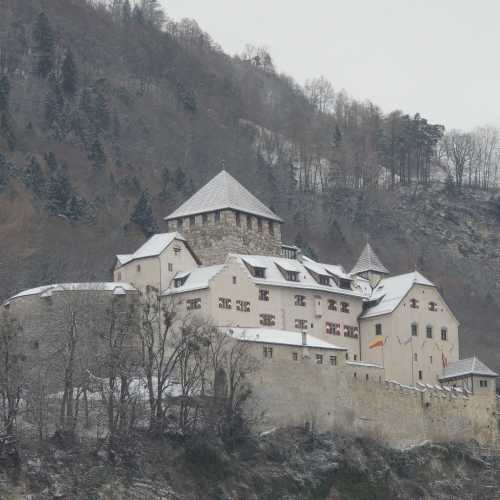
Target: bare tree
[[321, 94], [458, 150]]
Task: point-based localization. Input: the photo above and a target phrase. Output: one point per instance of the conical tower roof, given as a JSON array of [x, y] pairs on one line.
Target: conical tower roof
[[368, 261], [223, 191]]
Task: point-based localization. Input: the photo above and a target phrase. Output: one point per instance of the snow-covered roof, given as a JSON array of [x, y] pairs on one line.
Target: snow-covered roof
[[223, 191], [197, 279], [282, 337], [322, 268], [368, 261], [123, 259], [391, 291], [46, 291], [362, 364], [468, 366], [274, 276]]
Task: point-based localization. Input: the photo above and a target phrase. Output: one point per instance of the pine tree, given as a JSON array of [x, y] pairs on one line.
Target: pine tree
[[181, 181], [5, 169], [126, 11], [43, 37], [59, 192], [54, 108], [7, 131], [165, 183], [34, 178], [50, 158], [69, 75], [143, 215], [4, 94], [97, 155]]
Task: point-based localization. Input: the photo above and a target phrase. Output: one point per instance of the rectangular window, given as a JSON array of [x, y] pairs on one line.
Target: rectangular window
[[267, 352], [170, 267], [430, 359], [192, 220], [347, 356], [300, 300], [179, 224], [319, 359], [249, 222], [238, 219], [138, 268], [301, 324], [415, 356], [333, 360], [420, 375], [432, 306], [271, 228], [428, 332], [332, 305], [330, 328], [204, 219], [217, 216], [414, 329], [243, 306], [259, 272], [234, 280], [351, 331], [344, 307], [224, 303], [355, 357], [193, 304], [295, 356], [259, 225], [414, 303], [324, 280], [264, 294], [267, 320], [444, 334], [483, 383], [378, 329]]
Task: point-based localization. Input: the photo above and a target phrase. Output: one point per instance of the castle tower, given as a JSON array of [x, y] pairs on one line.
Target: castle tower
[[223, 217], [369, 266]]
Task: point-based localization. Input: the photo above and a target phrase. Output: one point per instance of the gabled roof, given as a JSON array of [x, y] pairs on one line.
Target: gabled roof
[[152, 247], [281, 337], [368, 261], [223, 191], [468, 366], [391, 291]]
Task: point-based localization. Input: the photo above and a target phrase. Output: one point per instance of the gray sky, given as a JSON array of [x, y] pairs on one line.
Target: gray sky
[[436, 57]]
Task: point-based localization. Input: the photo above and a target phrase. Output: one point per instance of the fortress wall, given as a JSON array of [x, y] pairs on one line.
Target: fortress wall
[[331, 398]]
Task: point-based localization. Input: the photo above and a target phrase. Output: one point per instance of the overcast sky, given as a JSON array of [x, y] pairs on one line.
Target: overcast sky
[[436, 57]]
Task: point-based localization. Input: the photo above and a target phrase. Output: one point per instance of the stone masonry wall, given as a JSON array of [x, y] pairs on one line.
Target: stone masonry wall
[[331, 398], [212, 241]]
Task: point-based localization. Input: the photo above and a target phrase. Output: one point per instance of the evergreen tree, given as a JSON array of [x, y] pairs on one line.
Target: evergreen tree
[[5, 169], [97, 155], [181, 181], [126, 11], [54, 108], [7, 131], [50, 158], [143, 215], [34, 178], [59, 193], [69, 75], [165, 183], [43, 37], [4, 94]]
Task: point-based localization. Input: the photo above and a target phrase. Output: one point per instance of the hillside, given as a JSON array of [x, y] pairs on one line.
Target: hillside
[[103, 115], [289, 464]]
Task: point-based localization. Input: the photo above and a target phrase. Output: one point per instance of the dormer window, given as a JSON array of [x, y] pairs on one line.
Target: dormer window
[[259, 272], [291, 276], [180, 280], [324, 280]]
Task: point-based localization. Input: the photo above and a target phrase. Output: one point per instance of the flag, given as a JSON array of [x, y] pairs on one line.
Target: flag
[[376, 343]]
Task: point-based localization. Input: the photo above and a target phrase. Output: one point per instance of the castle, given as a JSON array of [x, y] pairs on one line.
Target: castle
[[359, 350]]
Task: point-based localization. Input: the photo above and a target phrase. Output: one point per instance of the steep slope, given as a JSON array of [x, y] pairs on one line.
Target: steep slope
[[154, 115]]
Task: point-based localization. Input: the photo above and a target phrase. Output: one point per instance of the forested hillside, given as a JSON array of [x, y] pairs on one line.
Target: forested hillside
[[111, 116]]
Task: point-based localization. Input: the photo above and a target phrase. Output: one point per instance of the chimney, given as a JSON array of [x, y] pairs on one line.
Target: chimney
[[304, 337]]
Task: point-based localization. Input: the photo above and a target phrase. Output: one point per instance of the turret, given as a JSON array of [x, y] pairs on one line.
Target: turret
[[369, 266]]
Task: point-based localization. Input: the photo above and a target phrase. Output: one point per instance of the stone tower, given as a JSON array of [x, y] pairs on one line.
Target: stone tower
[[223, 217], [369, 266]]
